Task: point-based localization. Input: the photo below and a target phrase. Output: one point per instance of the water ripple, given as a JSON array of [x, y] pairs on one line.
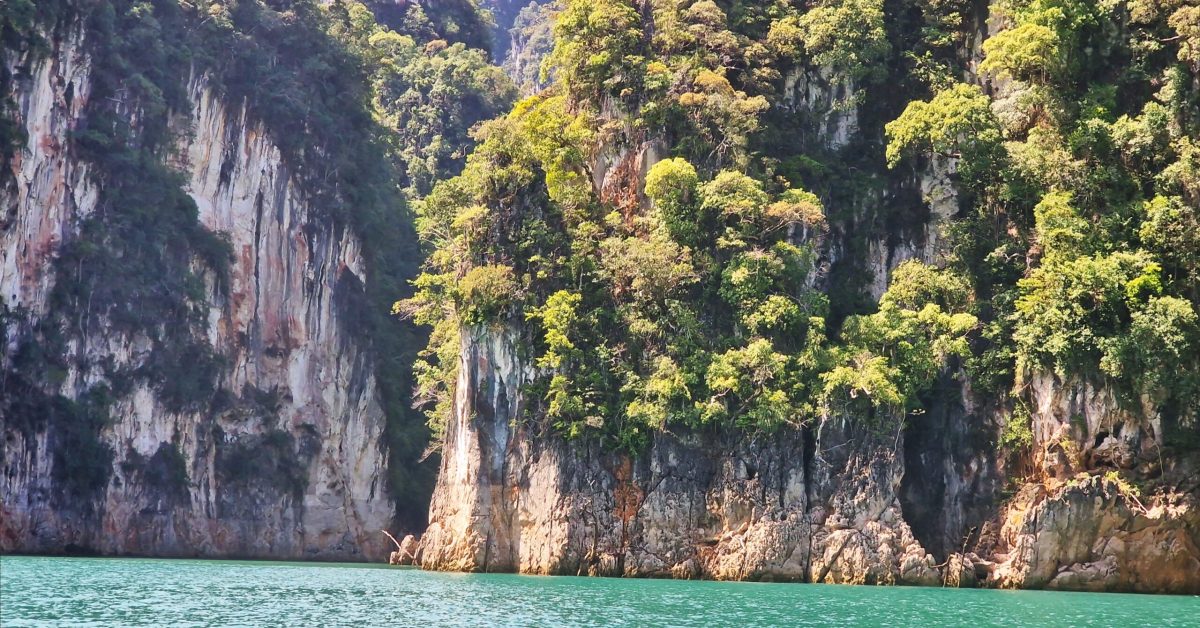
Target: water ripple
[[37, 591]]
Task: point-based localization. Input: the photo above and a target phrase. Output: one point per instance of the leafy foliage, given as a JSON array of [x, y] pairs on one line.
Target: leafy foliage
[[700, 302], [1091, 182], [848, 35], [598, 46], [428, 94], [957, 123], [888, 359], [1028, 52], [1072, 246]]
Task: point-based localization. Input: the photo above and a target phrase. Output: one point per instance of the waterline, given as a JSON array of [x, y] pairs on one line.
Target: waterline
[[128, 591]]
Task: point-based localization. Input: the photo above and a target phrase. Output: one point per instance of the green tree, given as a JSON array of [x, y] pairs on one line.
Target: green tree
[[1158, 355], [598, 48], [751, 385], [671, 186], [956, 123], [847, 35], [887, 360], [485, 294], [735, 200], [1061, 231], [1067, 309], [559, 317], [1171, 229], [1028, 52]]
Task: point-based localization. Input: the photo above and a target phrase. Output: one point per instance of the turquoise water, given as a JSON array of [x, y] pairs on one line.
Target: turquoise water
[[122, 591]]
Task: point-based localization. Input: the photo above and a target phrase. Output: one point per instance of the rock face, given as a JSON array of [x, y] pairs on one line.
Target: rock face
[[1091, 534], [297, 387], [1084, 526], [811, 506], [831, 504], [1096, 503], [824, 102]]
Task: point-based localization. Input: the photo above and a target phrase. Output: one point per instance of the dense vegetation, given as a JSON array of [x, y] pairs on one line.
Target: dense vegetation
[[532, 36], [730, 288], [1080, 168], [427, 93]]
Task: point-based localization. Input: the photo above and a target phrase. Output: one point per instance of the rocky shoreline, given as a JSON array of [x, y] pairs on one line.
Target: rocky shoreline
[[830, 504]]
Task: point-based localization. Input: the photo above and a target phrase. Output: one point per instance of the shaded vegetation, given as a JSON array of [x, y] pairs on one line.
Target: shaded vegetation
[[262, 463], [164, 472]]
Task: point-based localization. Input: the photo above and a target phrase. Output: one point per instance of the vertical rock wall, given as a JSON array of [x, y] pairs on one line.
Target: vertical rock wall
[[1077, 522], [833, 503], [817, 505], [934, 503], [288, 463]]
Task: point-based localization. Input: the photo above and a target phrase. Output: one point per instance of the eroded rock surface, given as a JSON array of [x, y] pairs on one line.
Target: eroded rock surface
[[298, 386], [820, 505], [808, 506], [1091, 534]]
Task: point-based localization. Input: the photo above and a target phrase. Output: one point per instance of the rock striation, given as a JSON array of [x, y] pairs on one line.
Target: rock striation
[[297, 386], [797, 506], [833, 503]]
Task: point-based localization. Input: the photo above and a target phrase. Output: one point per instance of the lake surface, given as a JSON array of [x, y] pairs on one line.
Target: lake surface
[[125, 591]]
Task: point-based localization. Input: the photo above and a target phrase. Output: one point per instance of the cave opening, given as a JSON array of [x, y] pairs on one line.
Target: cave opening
[[923, 485]]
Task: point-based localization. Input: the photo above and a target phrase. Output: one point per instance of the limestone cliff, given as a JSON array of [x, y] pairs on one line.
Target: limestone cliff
[[828, 504], [1076, 524], [811, 506], [936, 502], [287, 460]]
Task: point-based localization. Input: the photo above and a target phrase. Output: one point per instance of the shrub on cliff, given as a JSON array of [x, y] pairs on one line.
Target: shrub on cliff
[[730, 289]]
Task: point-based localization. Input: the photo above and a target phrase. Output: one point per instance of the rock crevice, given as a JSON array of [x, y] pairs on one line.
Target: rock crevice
[[287, 461], [725, 504]]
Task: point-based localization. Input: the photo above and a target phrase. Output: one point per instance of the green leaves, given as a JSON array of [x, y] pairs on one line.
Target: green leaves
[[485, 294], [661, 397], [1186, 22], [751, 385], [1171, 229], [695, 301], [430, 99], [1061, 231], [671, 187], [558, 316], [645, 271], [888, 359], [915, 285], [1068, 307], [956, 123], [766, 293], [1163, 334], [1028, 52], [597, 48], [847, 35], [734, 196]]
